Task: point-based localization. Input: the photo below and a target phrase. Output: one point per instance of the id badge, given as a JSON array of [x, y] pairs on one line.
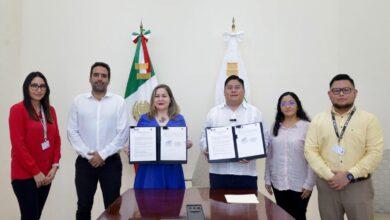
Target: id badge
[[338, 150], [45, 144]]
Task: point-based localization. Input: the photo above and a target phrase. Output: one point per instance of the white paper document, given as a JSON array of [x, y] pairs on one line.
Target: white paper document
[[143, 144], [245, 198], [249, 140], [220, 143], [173, 144]]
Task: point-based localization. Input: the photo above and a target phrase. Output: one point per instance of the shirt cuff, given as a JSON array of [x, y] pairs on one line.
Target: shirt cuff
[[56, 165], [308, 186], [103, 155], [85, 155]]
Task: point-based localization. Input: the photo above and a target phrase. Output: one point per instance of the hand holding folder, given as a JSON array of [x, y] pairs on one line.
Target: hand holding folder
[[158, 145], [235, 143]]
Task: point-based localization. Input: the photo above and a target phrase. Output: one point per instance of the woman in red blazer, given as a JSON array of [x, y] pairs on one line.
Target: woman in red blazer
[[35, 146]]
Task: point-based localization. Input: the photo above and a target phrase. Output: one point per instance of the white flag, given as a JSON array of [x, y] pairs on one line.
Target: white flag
[[232, 65]]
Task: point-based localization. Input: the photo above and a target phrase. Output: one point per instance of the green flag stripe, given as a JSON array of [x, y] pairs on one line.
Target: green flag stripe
[[133, 83]]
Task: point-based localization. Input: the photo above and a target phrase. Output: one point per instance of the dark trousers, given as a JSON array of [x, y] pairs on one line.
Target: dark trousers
[[109, 176], [225, 181], [292, 202], [30, 198]]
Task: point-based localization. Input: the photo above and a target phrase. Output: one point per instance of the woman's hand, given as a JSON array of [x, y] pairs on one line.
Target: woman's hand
[[189, 144], [39, 179], [50, 176], [269, 189]]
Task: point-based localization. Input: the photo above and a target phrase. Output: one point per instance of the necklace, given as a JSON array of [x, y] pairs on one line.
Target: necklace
[[162, 119]]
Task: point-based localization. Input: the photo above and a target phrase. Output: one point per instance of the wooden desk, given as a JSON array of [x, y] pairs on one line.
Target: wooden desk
[[171, 204]]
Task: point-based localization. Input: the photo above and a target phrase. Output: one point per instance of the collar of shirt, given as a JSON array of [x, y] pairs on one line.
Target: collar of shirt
[[242, 105], [90, 95], [346, 113]]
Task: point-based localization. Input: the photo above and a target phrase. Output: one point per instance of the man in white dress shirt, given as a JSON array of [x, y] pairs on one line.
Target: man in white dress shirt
[[97, 130], [233, 175]]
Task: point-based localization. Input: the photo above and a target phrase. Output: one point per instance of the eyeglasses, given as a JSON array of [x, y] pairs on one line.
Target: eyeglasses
[[36, 86], [289, 103], [337, 91]]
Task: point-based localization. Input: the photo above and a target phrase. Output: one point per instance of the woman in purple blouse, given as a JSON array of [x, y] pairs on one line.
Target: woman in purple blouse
[[287, 173]]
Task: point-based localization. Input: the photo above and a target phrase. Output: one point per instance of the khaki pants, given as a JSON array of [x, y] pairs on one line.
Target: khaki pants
[[356, 200]]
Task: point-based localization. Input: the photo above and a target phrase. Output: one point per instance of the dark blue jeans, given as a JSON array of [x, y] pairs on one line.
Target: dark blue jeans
[[30, 198], [109, 176]]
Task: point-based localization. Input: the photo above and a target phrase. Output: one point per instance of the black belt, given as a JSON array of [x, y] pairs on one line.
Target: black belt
[[361, 179]]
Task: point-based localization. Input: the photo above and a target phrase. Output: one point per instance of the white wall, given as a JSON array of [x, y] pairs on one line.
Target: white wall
[[288, 45], [364, 49], [10, 90]]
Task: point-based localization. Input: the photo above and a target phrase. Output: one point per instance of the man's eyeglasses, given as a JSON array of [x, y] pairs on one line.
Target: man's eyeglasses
[[337, 91], [36, 86], [289, 103]]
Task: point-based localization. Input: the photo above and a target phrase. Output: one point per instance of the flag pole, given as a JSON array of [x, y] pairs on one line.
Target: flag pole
[[234, 31], [141, 27], [233, 25]]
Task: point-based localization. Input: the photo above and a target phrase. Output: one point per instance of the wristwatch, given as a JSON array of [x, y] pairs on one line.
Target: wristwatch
[[350, 177]]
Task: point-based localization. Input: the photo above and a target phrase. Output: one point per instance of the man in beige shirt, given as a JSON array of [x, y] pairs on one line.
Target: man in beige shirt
[[344, 145]]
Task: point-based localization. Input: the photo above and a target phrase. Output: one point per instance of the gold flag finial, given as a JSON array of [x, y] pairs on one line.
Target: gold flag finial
[[141, 27], [233, 25]]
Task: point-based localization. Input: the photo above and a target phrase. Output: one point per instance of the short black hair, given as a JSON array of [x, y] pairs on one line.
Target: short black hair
[[234, 77], [104, 65], [341, 77]]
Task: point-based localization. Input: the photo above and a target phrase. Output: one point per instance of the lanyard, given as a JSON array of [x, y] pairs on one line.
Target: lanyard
[[43, 122], [336, 130]]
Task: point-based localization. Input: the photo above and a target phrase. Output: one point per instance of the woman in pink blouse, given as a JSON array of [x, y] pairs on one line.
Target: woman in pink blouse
[[287, 173]]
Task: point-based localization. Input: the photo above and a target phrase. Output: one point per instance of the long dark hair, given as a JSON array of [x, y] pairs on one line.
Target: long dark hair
[[280, 116], [44, 101]]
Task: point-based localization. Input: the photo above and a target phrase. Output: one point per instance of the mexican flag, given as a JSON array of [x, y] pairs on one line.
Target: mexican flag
[[142, 79], [232, 65]]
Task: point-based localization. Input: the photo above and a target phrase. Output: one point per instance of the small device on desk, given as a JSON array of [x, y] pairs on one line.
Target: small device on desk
[[195, 212]]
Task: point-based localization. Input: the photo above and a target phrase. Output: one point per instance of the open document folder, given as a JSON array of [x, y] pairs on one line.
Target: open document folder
[[233, 143], [158, 145]]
